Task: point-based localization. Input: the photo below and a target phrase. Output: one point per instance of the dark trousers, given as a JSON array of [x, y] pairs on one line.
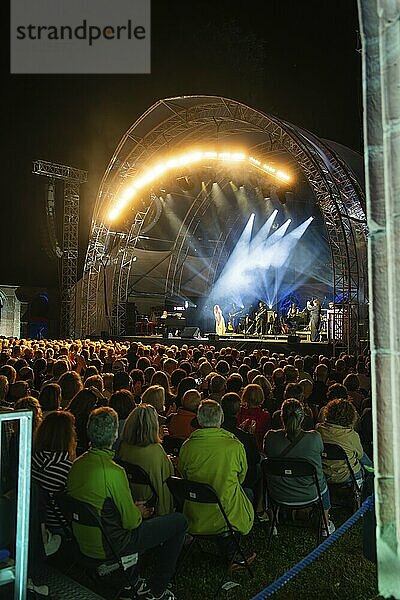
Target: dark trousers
[[314, 325], [166, 534]]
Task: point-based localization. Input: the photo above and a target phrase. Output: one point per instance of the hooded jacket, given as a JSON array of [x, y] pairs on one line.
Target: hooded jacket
[[336, 471], [216, 457]]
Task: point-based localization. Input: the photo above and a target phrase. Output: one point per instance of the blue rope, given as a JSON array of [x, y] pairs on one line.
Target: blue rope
[[273, 587]]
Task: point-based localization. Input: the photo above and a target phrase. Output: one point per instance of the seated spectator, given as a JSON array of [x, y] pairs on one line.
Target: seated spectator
[[155, 396], [303, 444], [363, 377], [278, 387], [123, 403], [215, 456], [180, 423], [291, 374], [95, 478], [50, 398], [10, 373], [321, 374], [338, 428], [138, 383], [18, 390], [54, 453], [148, 374], [222, 368], [108, 379], [217, 387], [231, 405], [234, 383], [352, 385], [299, 364], [187, 383], [95, 381], [307, 386], [4, 392], [263, 382], [141, 445], [175, 379], [252, 417], [70, 383], [161, 378], [122, 381], [81, 406]]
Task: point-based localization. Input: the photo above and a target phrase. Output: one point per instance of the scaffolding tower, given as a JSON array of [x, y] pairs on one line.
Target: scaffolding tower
[[72, 179]]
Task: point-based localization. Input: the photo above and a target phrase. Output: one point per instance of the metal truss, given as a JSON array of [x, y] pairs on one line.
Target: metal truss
[[72, 179], [177, 122]]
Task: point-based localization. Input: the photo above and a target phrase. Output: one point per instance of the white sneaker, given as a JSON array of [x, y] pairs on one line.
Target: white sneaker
[[331, 529], [53, 543]]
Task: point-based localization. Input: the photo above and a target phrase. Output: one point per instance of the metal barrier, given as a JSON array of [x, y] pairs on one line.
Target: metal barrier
[[19, 573]]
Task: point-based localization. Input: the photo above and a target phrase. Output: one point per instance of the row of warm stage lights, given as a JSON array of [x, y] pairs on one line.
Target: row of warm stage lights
[[189, 158]]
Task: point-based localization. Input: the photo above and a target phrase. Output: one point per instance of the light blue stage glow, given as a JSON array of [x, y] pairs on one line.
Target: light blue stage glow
[[257, 267]]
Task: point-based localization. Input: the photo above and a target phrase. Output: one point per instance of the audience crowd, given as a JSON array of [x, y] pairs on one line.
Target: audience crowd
[[198, 413]]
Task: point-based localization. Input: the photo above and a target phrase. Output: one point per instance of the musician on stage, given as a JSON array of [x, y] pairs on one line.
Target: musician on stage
[[314, 308], [234, 315], [220, 327], [261, 318], [293, 316]]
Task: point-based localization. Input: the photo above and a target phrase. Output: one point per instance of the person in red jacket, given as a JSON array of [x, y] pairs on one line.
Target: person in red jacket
[[252, 417]]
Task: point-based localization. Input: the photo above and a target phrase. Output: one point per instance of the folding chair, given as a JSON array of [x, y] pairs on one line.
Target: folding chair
[[335, 452], [193, 491], [76, 511], [172, 445], [290, 468], [137, 475]]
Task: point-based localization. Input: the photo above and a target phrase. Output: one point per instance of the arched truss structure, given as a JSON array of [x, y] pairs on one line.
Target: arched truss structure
[[185, 121]]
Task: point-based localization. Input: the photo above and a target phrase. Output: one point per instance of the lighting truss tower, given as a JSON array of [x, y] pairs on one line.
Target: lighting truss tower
[[72, 179]]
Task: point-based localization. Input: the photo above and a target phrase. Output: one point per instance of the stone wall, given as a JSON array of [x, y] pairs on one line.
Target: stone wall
[[10, 311]]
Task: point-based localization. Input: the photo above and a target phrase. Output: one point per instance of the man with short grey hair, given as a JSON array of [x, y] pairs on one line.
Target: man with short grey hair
[[96, 479], [215, 456]]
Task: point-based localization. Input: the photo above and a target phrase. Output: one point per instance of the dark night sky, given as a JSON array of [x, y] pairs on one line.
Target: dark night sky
[[310, 75]]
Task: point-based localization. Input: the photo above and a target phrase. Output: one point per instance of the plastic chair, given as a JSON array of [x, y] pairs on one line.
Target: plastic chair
[[172, 445], [82, 513], [193, 491], [336, 452], [290, 468], [137, 475]]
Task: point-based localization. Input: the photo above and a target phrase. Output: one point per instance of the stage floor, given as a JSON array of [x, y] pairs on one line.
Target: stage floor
[[277, 343]]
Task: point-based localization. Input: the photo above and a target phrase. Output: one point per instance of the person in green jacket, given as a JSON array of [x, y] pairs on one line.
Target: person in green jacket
[[141, 446], [215, 456], [96, 479]]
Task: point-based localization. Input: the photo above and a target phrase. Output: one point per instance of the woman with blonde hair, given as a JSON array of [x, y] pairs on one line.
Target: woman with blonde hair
[[220, 327], [140, 445], [155, 395]]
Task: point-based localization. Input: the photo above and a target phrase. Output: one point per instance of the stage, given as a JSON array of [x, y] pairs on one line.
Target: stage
[[282, 344]]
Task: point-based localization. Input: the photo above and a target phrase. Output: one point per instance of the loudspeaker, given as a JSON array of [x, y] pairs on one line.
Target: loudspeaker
[[190, 332], [293, 339], [213, 337]]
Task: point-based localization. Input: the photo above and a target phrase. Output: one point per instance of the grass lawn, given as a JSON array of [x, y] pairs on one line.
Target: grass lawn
[[342, 573]]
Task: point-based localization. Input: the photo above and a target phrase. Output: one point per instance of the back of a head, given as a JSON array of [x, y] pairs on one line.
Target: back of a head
[[307, 387], [217, 384], [141, 427], [56, 433], [337, 390], [292, 416], [160, 378], [321, 372], [148, 374], [230, 403], [340, 412], [83, 403], [95, 381], [291, 374], [154, 395], [222, 367], [234, 383], [3, 387], [121, 381], [18, 390], [210, 414], [123, 403], [50, 397], [176, 377], [102, 427], [9, 372], [293, 390], [191, 400], [30, 403], [59, 368], [204, 368], [351, 382], [253, 396], [137, 376], [278, 377], [268, 368], [252, 374], [70, 383], [265, 384], [187, 383]]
